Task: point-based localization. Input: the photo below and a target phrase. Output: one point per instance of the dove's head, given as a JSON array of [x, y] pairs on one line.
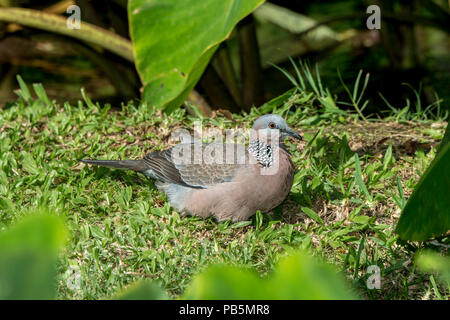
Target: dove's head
[[270, 124]]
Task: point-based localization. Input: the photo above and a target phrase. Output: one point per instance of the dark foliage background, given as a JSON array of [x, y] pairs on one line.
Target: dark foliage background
[[411, 47]]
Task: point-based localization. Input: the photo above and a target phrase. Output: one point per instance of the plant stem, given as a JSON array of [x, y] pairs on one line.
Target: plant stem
[[227, 73], [251, 71], [216, 91], [53, 23]]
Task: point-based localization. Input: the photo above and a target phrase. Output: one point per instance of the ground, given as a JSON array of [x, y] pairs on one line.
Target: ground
[[353, 177]]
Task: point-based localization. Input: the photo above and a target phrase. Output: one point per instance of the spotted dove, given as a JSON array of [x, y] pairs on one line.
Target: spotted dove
[[233, 183]]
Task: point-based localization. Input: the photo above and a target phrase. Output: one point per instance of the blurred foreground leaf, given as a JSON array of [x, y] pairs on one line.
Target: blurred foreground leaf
[[174, 41], [427, 212], [429, 261], [298, 276], [28, 253]]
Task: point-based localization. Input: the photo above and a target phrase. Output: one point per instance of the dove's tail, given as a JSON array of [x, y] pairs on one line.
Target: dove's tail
[[136, 165]]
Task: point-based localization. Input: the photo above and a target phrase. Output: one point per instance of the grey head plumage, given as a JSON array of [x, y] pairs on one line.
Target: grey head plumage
[[275, 122], [261, 148]]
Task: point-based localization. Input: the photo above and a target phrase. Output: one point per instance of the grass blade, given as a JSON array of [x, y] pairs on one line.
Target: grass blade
[[40, 92], [319, 82], [355, 88], [23, 92], [289, 76], [299, 75], [359, 180], [310, 213], [387, 158], [366, 82]]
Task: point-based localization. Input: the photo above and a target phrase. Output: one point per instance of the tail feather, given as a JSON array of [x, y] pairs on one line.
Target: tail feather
[[136, 165]]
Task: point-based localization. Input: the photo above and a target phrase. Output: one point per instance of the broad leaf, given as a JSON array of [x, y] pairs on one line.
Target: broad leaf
[[427, 212], [174, 41], [28, 254]]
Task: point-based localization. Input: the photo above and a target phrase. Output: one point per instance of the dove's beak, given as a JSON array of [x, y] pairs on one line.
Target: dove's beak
[[290, 132]]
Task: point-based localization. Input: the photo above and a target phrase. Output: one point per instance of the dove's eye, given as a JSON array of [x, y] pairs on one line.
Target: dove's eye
[[272, 125]]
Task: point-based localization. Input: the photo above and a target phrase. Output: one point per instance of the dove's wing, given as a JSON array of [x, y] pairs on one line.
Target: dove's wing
[[197, 165]]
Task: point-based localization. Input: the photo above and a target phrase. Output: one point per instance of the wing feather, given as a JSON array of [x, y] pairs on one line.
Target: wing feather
[[183, 165]]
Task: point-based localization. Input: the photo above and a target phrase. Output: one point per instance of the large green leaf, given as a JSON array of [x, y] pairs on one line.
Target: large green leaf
[[427, 212], [297, 277], [174, 41], [28, 254]]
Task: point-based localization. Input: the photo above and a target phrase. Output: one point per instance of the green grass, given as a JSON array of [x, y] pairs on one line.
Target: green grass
[[353, 177]]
